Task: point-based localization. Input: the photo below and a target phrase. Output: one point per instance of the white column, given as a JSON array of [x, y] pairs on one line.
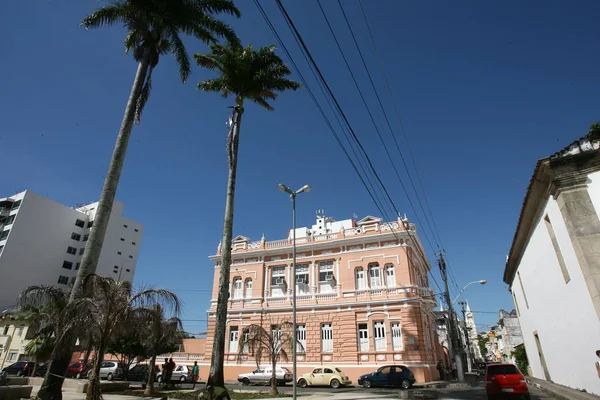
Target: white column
[[289, 280], [314, 278], [266, 276], [337, 276]]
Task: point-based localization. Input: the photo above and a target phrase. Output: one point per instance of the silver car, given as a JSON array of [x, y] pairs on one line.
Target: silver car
[[110, 370], [265, 374], [181, 373]]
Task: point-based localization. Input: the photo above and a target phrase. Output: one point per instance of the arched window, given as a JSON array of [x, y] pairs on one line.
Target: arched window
[[360, 279], [390, 277], [248, 288], [374, 276], [238, 290]]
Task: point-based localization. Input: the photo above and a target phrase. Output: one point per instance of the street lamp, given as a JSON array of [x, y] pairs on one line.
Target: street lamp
[[303, 189], [481, 282]]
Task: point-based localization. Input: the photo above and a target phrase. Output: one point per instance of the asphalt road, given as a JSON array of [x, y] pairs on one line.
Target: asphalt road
[[474, 393]]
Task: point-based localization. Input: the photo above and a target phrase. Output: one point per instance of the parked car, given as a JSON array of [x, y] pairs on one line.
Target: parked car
[[24, 368], [138, 372], [109, 370], [182, 373], [389, 375], [77, 370], [265, 374], [505, 380], [324, 376]]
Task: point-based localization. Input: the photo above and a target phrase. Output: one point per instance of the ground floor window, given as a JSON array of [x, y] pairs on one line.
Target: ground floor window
[[301, 338], [233, 339], [379, 330], [326, 338], [363, 337], [396, 336]]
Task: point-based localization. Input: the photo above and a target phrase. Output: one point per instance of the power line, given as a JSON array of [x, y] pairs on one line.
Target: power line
[[325, 88], [373, 119]]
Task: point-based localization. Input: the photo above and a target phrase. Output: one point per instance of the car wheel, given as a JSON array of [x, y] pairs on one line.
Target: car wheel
[[89, 374], [280, 383], [19, 373], [334, 383], [159, 379], [302, 383], [367, 383], [78, 376], [109, 376], [405, 384], [182, 379], [245, 381]]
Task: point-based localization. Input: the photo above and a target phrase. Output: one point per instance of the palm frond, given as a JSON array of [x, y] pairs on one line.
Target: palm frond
[[105, 16], [219, 7], [178, 50], [246, 73]]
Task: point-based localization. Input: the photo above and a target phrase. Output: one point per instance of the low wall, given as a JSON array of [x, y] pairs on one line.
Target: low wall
[[68, 383], [17, 381], [105, 387], [15, 392]]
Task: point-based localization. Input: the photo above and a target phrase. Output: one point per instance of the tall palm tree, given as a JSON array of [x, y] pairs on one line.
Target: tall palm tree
[[159, 337], [258, 76], [154, 29], [109, 304], [273, 345]]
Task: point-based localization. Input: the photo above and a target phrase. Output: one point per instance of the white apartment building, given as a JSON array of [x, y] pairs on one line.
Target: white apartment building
[[552, 268], [42, 243]]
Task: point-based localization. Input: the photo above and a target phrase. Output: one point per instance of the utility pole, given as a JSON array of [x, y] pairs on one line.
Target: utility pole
[[455, 352], [469, 360]]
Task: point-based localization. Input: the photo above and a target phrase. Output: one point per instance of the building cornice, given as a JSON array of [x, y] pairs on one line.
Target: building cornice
[[551, 176], [347, 241]]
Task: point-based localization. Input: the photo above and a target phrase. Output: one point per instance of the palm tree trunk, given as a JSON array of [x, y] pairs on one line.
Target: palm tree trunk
[[150, 384], [216, 375], [59, 362], [93, 389], [274, 390], [93, 247]]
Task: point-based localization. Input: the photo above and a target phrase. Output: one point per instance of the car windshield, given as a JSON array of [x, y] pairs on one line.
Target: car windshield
[[502, 370]]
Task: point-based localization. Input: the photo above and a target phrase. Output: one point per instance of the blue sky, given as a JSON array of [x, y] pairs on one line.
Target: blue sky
[[485, 89]]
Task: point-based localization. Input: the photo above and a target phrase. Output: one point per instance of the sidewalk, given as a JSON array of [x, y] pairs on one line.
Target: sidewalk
[[561, 392]]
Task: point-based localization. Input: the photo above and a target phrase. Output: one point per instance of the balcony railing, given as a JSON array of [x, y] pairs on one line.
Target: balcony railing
[[377, 228], [182, 357]]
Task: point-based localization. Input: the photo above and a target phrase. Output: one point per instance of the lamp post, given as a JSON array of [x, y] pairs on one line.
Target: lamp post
[[283, 188], [481, 282]]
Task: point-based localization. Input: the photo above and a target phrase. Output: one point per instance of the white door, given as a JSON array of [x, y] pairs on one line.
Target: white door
[[363, 337]]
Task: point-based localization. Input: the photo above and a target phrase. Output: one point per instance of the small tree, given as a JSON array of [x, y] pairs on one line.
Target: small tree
[[482, 342], [520, 356], [161, 336], [272, 345], [40, 348], [127, 346]]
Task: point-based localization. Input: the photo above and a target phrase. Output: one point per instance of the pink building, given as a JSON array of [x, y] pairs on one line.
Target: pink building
[[363, 297]]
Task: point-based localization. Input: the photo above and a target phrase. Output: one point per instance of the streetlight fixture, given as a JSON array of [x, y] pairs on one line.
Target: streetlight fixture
[[303, 189], [481, 282]]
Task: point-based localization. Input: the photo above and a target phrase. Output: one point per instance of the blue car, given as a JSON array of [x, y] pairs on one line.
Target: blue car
[[389, 375]]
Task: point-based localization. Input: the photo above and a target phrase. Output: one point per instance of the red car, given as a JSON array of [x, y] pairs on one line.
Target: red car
[[77, 370], [505, 381]]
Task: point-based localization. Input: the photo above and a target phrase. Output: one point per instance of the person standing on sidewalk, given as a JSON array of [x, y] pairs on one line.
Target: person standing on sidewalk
[[454, 370], [195, 374], [440, 368]]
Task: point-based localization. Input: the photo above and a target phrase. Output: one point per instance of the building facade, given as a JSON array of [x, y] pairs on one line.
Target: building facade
[[510, 333], [14, 336], [363, 297], [42, 243], [552, 268]]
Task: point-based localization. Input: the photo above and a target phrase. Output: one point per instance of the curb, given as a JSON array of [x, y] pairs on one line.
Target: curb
[[546, 390]]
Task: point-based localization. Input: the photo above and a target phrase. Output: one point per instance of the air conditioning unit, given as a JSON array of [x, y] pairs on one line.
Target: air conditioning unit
[[329, 277], [300, 281], [279, 281]]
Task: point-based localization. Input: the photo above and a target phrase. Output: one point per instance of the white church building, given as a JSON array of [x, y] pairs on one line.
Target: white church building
[[553, 268]]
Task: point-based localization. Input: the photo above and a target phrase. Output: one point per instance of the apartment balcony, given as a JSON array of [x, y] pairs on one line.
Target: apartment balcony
[[4, 211], [4, 340], [181, 357]]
